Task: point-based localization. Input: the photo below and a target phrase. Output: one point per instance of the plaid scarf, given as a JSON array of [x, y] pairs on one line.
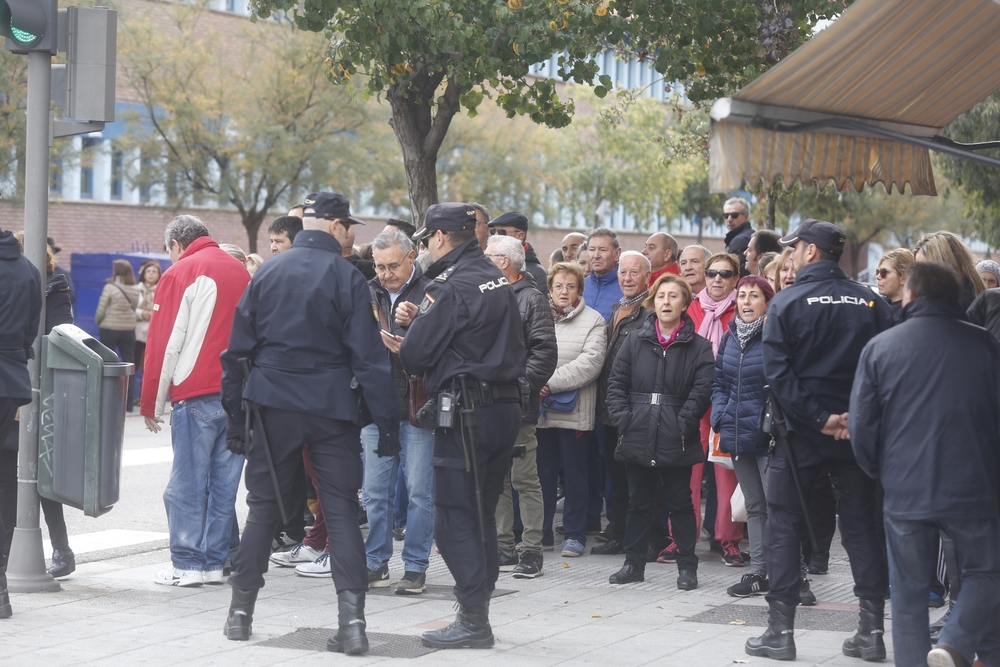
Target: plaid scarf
[[747, 330]]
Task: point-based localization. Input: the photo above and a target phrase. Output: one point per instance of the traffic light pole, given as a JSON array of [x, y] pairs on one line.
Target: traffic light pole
[[26, 564]]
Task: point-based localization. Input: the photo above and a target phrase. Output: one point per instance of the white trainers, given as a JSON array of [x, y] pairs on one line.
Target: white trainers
[[300, 553], [319, 568], [213, 577], [183, 578]]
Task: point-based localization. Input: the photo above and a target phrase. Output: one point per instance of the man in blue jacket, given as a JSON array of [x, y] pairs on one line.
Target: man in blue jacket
[[813, 335], [925, 420], [601, 290]]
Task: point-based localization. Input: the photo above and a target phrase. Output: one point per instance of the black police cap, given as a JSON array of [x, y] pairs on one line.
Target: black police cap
[[447, 217], [824, 235], [328, 205], [510, 219]]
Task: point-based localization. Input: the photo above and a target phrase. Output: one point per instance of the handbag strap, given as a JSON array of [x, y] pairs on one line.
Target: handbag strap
[[124, 294]]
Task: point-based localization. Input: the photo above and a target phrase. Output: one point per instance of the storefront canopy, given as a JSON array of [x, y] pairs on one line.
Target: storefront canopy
[[863, 100]]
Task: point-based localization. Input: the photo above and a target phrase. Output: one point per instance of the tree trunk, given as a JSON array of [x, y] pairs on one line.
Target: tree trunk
[[772, 205], [421, 133], [252, 220], [700, 226]]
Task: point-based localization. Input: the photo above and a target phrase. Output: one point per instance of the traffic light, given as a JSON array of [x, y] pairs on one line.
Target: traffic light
[[29, 25]]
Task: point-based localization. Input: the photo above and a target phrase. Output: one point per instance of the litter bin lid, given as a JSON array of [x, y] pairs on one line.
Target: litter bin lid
[[118, 369]]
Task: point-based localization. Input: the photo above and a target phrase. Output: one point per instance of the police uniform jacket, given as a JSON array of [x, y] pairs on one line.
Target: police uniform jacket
[[468, 323], [412, 292], [306, 323], [663, 430], [539, 340], [814, 333], [925, 410], [20, 311]]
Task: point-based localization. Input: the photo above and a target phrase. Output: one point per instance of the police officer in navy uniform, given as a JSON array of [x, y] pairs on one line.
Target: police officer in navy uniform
[[813, 336], [467, 336], [306, 324]]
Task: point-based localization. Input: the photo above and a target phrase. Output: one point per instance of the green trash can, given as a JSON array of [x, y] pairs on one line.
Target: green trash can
[[82, 411]]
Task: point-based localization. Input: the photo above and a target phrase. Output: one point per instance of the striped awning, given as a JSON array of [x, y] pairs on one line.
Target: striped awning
[[836, 107]]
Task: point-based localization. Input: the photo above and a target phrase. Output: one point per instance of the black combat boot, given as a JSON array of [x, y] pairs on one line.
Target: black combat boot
[[778, 641], [471, 629], [867, 644], [5, 610], [240, 617], [350, 638], [63, 563]]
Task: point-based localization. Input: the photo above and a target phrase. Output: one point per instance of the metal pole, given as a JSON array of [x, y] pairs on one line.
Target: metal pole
[[26, 565]]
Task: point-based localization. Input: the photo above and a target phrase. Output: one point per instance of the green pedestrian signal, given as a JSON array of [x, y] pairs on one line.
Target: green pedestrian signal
[[29, 25]]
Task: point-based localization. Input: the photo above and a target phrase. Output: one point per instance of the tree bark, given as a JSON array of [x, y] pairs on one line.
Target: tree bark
[[420, 133], [772, 205], [252, 220]]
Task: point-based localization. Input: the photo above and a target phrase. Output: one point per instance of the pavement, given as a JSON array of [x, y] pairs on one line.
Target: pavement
[[110, 612]]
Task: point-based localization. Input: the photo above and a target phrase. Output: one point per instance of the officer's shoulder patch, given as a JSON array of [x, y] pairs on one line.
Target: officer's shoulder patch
[[426, 304], [443, 276]]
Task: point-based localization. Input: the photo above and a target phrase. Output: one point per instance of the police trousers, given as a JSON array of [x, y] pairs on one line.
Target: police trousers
[[855, 494], [473, 561], [335, 451]]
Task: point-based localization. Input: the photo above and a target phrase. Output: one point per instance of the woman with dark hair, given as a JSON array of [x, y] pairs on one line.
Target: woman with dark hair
[[149, 276], [738, 399], [660, 386], [115, 317]]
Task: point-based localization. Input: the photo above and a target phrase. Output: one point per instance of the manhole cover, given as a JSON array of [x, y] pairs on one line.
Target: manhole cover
[[806, 618], [433, 592], [380, 643]]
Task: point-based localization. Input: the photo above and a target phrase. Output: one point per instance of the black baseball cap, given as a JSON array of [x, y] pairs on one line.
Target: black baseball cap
[[824, 235], [328, 205], [511, 219], [447, 217]]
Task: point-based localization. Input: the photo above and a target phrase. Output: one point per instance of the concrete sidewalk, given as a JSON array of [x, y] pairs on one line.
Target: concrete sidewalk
[[110, 612]]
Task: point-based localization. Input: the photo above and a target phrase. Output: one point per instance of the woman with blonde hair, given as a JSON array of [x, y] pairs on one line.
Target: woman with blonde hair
[[948, 248], [890, 276], [784, 271]]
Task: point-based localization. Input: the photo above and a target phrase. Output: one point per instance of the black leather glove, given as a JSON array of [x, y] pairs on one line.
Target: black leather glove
[[388, 443], [427, 415], [236, 439]]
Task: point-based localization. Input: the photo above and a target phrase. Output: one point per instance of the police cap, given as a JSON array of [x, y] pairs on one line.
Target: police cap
[[329, 205], [511, 219], [447, 217], [824, 235]]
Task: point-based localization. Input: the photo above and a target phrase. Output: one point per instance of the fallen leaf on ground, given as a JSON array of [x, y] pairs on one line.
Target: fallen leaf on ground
[[737, 622]]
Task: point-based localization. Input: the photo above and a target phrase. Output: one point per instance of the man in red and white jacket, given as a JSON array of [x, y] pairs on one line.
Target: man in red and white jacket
[[192, 318]]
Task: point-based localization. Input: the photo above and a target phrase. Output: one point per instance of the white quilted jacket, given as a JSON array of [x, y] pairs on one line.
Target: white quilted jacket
[[581, 336]]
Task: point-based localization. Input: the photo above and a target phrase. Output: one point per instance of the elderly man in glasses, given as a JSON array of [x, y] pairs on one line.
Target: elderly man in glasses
[[736, 212], [515, 224]]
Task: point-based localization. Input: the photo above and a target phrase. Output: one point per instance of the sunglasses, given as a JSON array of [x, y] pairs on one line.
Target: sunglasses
[[494, 231], [882, 273], [731, 215], [725, 273]]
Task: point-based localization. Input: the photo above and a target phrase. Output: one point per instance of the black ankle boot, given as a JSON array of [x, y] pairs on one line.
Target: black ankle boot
[[5, 610], [778, 641], [868, 644], [63, 563], [240, 619], [350, 638], [471, 629]]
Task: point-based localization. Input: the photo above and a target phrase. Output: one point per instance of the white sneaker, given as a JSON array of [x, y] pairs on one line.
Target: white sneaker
[[213, 577], [318, 569], [183, 578], [300, 553]]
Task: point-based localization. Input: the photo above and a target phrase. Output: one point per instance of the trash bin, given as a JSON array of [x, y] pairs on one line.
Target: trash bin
[[82, 411]]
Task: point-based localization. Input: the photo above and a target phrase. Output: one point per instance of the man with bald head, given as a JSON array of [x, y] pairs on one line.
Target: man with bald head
[[571, 245], [661, 251]]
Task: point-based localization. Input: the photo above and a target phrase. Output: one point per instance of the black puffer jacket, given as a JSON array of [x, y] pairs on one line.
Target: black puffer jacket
[[20, 310], [533, 266], [58, 302], [539, 340], [665, 434], [413, 292], [617, 335]]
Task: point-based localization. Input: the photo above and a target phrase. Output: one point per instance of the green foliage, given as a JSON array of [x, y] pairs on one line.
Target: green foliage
[[13, 99], [979, 183], [251, 131]]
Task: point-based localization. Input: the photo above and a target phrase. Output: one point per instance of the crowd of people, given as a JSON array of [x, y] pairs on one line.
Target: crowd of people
[[486, 393]]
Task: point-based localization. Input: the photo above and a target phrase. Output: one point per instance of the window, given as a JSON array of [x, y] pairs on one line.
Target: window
[[56, 184], [117, 161], [87, 153]]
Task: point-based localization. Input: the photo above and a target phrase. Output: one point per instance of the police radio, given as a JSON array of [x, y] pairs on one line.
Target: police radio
[[445, 409]]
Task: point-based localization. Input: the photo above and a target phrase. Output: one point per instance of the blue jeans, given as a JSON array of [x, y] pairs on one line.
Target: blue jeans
[[913, 548], [381, 474], [200, 497]]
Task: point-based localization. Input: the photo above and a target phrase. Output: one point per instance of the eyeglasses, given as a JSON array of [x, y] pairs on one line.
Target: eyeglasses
[[382, 268], [883, 273], [491, 254], [494, 231], [726, 274], [731, 215], [560, 287]]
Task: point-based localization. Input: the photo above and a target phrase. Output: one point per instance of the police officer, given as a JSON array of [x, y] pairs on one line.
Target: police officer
[[813, 336], [467, 342], [305, 322]]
